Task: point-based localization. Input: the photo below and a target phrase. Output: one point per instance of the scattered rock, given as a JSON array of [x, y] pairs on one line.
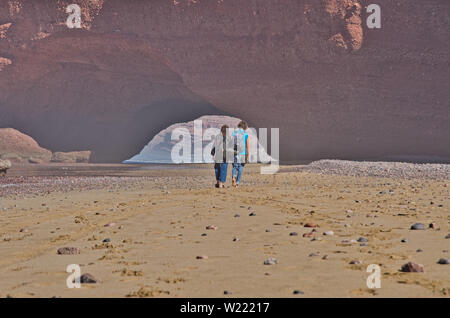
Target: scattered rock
[[106, 240], [310, 225], [432, 226], [226, 292], [405, 240], [418, 226], [202, 257], [329, 233], [270, 261], [310, 234], [235, 239], [252, 214], [419, 250], [362, 239], [110, 224], [411, 267], [444, 261], [211, 227], [447, 236], [236, 215], [297, 292], [356, 262], [68, 250], [204, 234], [293, 234]]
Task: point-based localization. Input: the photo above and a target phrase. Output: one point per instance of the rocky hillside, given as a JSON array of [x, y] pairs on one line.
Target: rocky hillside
[[18, 147], [310, 67]]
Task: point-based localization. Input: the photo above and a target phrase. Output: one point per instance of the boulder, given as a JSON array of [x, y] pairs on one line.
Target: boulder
[[4, 165], [71, 157]]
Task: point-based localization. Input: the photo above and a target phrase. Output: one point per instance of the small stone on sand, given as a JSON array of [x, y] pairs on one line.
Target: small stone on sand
[[270, 261], [411, 267], [418, 226], [88, 279], [68, 250]]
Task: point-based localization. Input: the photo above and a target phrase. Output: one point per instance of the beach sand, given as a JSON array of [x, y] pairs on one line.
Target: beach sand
[[159, 217]]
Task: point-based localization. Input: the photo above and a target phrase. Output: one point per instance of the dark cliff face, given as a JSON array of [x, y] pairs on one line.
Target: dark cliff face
[[312, 68]]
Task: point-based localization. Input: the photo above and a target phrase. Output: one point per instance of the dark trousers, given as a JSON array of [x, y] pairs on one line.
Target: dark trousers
[[221, 171]]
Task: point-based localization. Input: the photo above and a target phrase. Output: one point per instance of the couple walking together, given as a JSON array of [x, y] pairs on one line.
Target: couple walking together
[[230, 148]]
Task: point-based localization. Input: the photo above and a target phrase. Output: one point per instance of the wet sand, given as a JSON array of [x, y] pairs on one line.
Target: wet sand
[[159, 217]]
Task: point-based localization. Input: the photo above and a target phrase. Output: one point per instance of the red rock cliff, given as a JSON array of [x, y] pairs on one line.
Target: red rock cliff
[[311, 67]]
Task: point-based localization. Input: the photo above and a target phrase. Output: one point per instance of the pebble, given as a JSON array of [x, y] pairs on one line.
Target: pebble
[[204, 234], [362, 239], [270, 261], [310, 234], [412, 268], [88, 279], [202, 257], [418, 226], [312, 255], [106, 240], [405, 240], [293, 234], [325, 257], [23, 230], [329, 233], [235, 239], [356, 262], [419, 250], [110, 224], [252, 214], [226, 292], [297, 292], [447, 236], [310, 225], [267, 230], [432, 226], [236, 215], [444, 261], [211, 227], [68, 250]]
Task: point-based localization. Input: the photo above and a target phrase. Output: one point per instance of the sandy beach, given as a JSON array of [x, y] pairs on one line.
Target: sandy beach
[[142, 232]]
